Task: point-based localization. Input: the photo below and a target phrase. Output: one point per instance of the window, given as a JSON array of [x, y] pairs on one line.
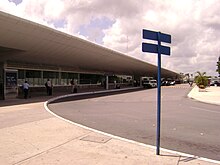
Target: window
[[90, 78], [67, 77], [33, 77], [53, 76], [21, 77]]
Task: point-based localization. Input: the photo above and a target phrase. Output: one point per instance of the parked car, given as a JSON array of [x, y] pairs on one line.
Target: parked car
[[153, 83], [165, 83], [172, 82], [215, 83], [168, 82], [149, 83]]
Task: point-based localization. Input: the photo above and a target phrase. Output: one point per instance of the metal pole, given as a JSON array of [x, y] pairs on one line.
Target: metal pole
[[158, 95]]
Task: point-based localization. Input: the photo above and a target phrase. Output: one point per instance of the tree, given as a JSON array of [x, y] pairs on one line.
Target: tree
[[218, 66], [201, 80]]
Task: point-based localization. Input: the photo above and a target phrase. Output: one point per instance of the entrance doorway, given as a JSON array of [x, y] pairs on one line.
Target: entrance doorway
[[11, 87]]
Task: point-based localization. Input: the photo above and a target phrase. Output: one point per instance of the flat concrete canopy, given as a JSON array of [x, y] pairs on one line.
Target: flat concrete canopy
[[24, 41]]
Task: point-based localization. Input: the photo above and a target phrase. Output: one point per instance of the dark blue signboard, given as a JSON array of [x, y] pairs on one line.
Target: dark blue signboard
[[159, 49], [151, 35], [152, 48]]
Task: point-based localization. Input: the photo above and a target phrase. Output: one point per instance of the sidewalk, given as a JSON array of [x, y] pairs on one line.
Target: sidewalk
[[31, 135], [210, 95]]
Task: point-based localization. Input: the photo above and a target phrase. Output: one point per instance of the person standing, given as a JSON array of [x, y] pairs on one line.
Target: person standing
[[25, 89], [75, 86], [72, 84], [115, 84], [49, 87]]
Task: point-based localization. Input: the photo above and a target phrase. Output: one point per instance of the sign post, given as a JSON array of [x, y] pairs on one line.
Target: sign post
[[159, 49]]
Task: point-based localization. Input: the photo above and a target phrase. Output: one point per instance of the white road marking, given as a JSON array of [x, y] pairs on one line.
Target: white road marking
[[207, 110]]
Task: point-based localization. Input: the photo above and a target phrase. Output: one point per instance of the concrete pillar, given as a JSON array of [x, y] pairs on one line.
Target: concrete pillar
[[42, 77], [107, 87], [59, 77], [138, 79], [133, 81], [78, 79], [2, 86], [141, 85]]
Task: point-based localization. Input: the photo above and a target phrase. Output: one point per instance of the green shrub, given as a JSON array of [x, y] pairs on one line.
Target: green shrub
[[201, 80]]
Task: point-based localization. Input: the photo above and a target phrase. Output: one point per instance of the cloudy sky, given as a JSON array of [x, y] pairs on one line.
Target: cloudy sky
[[193, 24]]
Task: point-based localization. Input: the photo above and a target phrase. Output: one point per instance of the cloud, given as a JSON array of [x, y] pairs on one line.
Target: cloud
[[15, 1], [194, 26], [194, 40]]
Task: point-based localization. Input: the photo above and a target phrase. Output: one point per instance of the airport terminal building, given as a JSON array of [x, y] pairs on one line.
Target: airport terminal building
[[33, 52]]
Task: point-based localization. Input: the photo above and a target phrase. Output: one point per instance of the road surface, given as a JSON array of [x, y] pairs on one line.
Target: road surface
[[187, 126]]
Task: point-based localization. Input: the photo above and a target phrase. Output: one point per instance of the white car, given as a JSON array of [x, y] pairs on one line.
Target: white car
[[153, 83], [172, 82], [149, 83]]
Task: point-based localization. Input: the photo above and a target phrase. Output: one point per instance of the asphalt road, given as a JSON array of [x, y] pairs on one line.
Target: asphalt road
[[187, 126]]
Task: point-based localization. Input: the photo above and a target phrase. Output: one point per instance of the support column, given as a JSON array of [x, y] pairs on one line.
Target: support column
[[42, 77], [138, 80], [107, 87], [59, 77], [2, 86], [78, 78], [141, 85], [133, 83]]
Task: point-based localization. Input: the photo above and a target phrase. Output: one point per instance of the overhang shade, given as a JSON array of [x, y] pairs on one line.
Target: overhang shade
[[28, 42]]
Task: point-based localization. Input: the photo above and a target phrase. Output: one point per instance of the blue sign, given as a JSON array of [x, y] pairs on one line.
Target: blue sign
[[159, 49], [152, 48], [151, 35]]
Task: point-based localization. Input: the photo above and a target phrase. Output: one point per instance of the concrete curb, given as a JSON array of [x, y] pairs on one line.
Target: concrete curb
[[117, 137], [91, 93], [202, 96], [191, 93]]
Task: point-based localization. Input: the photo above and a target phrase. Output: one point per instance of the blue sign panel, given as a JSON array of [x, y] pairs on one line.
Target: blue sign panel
[[165, 38], [151, 35], [152, 48]]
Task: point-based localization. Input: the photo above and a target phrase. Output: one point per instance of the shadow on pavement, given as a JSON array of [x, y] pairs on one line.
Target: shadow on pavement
[[36, 99], [18, 101], [181, 158], [93, 95]]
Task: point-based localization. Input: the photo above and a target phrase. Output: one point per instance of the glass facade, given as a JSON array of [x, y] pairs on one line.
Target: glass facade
[[21, 77], [91, 79], [67, 77], [38, 78], [32, 76], [53, 76]]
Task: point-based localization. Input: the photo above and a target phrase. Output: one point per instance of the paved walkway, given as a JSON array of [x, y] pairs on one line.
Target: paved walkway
[[209, 95], [31, 135]]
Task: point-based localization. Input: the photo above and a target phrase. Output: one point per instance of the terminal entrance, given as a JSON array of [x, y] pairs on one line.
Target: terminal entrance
[[11, 88], [13, 77], [2, 95]]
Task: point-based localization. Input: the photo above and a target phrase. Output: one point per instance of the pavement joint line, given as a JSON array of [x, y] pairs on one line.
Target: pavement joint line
[[202, 109], [50, 149], [201, 101], [178, 160], [121, 138], [100, 140]]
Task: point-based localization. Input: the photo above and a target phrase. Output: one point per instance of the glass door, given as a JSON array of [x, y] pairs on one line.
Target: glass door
[[11, 88]]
